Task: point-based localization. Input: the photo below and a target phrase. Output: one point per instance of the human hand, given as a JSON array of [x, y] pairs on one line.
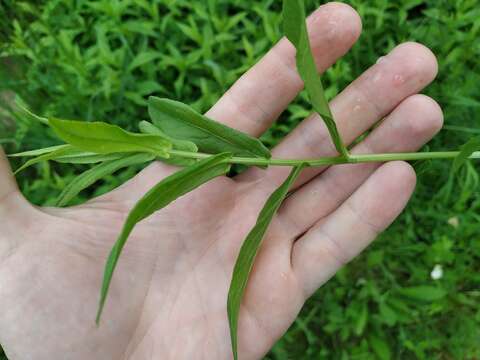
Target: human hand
[[168, 295]]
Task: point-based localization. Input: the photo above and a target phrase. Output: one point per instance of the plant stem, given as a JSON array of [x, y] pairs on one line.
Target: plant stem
[[352, 159]]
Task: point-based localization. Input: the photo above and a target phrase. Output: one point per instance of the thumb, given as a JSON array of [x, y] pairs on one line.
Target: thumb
[[15, 211], [8, 186], [9, 200]]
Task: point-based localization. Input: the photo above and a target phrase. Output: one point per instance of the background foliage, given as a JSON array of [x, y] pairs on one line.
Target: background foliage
[[86, 59]]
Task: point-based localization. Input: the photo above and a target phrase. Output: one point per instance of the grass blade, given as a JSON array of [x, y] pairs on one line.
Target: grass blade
[[248, 252], [94, 174], [465, 151], [180, 121], [157, 198], [295, 30], [103, 138]]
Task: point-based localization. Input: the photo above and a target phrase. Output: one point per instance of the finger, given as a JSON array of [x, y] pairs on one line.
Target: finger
[[405, 71], [342, 235], [415, 121], [264, 91]]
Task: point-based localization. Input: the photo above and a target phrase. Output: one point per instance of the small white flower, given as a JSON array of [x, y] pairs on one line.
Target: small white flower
[[453, 221], [437, 272]]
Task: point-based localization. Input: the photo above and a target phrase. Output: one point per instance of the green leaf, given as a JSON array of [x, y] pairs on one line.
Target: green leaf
[[380, 347], [61, 151], [182, 145], [94, 174], [143, 58], [85, 157], [388, 315], [23, 111], [182, 122], [295, 29], [248, 252], [103, 138], [423, 293], [38, 152], [361, 320], [148, 86], [73, 155], [162, 194], [465, 151]]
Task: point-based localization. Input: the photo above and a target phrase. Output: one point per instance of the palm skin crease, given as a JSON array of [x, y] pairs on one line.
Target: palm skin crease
[[168, 294]]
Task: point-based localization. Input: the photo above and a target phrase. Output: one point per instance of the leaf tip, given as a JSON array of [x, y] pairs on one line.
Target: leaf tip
[[100, 310]]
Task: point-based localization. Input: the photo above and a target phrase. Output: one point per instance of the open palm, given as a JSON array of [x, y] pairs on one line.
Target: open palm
[[168, 295]]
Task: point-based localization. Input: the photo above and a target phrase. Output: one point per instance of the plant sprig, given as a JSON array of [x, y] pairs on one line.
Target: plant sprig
[[205, 149]]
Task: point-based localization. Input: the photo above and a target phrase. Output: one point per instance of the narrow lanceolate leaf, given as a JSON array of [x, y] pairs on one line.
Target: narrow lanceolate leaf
[[85, 157], [182, 145], [248, 252], [38, 152], [61, 151], [465, 151], [295, 29], [97, 172], [64, 154], [182, 122], [157, 198], [72, 156], [103, 138]]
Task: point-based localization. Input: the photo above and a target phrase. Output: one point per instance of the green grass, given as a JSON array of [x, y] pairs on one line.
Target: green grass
[[101, 59]]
